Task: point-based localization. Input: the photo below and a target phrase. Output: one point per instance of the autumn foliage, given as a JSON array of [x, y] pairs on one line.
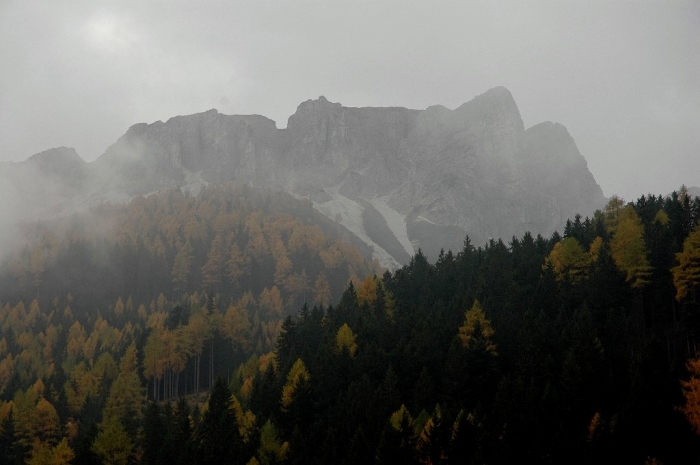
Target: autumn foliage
[[238, 326]]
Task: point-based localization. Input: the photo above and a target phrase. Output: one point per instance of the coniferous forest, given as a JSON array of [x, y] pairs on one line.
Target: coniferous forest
[[240, 326]]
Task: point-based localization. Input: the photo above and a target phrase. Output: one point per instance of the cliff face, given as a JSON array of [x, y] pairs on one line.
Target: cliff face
[[210, 146], [399, 179]]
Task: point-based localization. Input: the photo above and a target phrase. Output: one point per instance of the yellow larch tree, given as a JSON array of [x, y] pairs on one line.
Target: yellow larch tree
[[126, 395], [628, 249], [297, 375], [244, 418], [90, 347], [235, 325], [367, 291], [297, 284], [612, 212], [568, 260], [345, 340], [283, 269], [476, 326], [7, 370], [686, 275], [76, 340], [119, 307], [46, 423]]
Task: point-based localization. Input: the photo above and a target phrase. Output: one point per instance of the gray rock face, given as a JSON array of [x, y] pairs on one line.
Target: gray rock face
[[400, 179], [222, 148]]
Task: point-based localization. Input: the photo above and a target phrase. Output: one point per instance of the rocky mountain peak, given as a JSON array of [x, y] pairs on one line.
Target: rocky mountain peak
[[312, 110], [497, 101], [399, 179], [60, 162], [496, 115], [56, 156]]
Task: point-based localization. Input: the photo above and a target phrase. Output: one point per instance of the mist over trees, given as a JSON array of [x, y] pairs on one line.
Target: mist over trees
[[226, 241], [238, 326]]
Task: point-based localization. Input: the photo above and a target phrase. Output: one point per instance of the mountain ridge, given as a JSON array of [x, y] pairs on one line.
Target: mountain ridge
[[475, 170]]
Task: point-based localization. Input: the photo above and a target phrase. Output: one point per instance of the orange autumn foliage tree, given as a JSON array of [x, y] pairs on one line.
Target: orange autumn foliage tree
[[691, 393]]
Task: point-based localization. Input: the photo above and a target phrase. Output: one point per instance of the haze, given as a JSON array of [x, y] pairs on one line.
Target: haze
[[622, 77]]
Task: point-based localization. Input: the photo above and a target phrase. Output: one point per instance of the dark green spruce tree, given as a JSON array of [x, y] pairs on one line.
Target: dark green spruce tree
[[219, 439]]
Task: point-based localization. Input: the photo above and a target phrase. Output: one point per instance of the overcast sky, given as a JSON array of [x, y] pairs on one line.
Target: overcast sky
[[624, 78]]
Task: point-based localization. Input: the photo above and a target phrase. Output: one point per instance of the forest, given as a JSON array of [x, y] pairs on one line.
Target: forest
[[574, 348]]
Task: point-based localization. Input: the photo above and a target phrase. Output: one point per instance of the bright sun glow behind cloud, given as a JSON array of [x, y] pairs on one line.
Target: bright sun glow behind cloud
[[109, 34]]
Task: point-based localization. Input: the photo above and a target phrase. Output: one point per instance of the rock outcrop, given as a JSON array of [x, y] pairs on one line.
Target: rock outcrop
[[400, 179]]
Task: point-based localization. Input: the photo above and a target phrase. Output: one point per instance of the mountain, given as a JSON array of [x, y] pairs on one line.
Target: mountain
[[399, 179]]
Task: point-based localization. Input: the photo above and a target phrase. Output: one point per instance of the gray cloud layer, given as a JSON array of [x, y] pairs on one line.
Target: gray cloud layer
[[623, 77]]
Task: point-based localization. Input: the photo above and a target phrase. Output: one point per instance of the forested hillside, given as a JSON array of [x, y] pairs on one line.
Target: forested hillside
[[227, 240], [578, 348]]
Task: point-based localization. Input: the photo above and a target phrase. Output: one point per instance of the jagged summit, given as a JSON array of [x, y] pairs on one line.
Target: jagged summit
[[498, 92], [398, 178], [60, 164], [315, 105]]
